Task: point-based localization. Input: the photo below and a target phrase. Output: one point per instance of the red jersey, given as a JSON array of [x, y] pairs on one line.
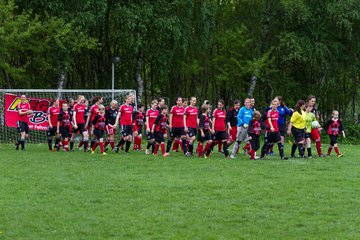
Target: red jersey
[[80, 111], [53, 112], [94, 110], [126, 114], [23, 107], [204, 122], [254, 127], [160, 123], [99, 122], [139, 119], [191, 116], [333, 127], [220, 117], [274, 116], [65, 119], [178, 116], [152, 115]]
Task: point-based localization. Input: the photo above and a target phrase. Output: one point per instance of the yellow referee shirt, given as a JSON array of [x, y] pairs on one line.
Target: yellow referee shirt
[[298, 120]]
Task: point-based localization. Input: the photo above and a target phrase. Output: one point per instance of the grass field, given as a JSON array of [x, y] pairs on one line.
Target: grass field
[[81, 196]]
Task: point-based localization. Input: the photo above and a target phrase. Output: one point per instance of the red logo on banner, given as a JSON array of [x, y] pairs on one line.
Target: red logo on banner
[[37, 120]]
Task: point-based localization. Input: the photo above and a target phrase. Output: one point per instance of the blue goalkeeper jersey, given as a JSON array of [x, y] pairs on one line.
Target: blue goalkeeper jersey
[[244, 116], [283, 111]]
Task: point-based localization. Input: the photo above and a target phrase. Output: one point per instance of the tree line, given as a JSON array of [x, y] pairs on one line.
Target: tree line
[[208, 48]]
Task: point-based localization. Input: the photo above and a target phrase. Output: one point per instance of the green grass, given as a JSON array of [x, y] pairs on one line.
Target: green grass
[[81, 196]]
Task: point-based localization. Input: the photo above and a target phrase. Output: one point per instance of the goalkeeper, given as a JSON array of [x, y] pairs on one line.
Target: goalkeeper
[[244, 117]]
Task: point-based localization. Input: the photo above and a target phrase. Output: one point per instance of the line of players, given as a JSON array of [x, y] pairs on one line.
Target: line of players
[[183, 124]]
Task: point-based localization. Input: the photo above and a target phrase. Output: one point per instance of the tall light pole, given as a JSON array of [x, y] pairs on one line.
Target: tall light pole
[[115, 59]]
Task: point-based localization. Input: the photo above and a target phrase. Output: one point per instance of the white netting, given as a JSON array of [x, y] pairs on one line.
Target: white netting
[[10, 134]]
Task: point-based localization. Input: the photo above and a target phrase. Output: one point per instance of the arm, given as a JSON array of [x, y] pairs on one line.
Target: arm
[[88, 118], [170, 120], [74, 119], [147, 124], [49, 119], [58, 124], [341, 129], [95, 120], [228, 117], [118, 116], [184, 119]]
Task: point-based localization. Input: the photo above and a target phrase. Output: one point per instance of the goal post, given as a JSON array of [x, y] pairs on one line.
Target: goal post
[[39, 100]]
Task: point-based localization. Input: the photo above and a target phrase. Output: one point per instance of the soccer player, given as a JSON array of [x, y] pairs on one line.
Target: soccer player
[[254, 131], [79, 123], [309, 118], [64, 126], [176, 125], [191, 124], [138, 117], [151, 115], [272, 134], [24, 110], [93, 111], [219, 128], [204, 132], [315, 132], [99, 124], [125, 117], [158, 129], [110, 116], [231, 121], [284, 111], [244, 117], [178, 141], [52, 115], [333, 127], [297, 128]]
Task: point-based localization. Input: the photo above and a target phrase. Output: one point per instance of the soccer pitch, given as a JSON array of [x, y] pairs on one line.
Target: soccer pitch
[[58, 195]]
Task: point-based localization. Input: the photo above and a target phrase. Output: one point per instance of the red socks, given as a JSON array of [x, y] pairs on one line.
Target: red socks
[[156, 148], [95, 146], [337, 150], [65, 145], [220, 146], [318, 148], [163, 148], [200, 149], [329, 150], [101, 147]]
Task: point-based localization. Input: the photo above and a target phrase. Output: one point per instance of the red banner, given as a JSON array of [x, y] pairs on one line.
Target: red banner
[[37, 120]]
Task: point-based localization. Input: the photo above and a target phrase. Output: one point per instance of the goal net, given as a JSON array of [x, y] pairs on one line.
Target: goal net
[[39, 100]]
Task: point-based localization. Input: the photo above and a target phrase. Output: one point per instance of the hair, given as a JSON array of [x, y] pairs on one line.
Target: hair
[[310, 97], [193, 97], [222, 102], [335, 111], [206, 102], [282, 103], [178, 99], [164, 107], [298, 106], [236, 101], [140, 105], [95, 99], [113, 102], [257, 115], [80, 96], [204, 108], [53, 101], [154, 101], [247, 99], [185, 100], [65, 103], [101, 107]]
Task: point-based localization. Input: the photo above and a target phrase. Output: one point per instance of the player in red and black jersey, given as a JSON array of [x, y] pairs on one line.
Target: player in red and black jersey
[[78, 118], [333, 127], [93, 111], [231, 121], [126, 121], [24, 110], [219, 128], [99, 124], [151, 115], [272, 134], [158, 129], [64, 126], [52, 115], [111, 113], [254, 131], [191, 123], [315, 132], [176, 125], [204, 132], [138, 118]]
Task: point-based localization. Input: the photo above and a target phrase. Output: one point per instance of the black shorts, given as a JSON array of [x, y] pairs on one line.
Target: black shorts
[[282, 130], [139, 131], [177, 132], [150, 136], [255, 142], [51, 132], [272, 137], [307, 135], [23, 127], [159, 137], [65, 132], [333, 139], [219, 136], [206, 138], [98, 133], [81, 128], [126, 130], [191, 132], [298, 134]]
